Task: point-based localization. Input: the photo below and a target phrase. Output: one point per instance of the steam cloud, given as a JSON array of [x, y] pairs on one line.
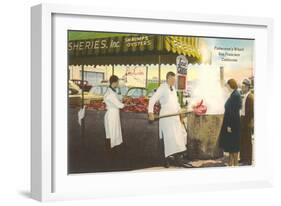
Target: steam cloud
[[208, 87]]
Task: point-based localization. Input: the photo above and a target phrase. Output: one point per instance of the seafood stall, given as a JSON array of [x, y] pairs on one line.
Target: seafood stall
[[142, 147]]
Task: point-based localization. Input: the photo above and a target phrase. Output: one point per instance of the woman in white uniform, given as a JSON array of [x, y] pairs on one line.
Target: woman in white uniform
[[170, 128], [112, 122]]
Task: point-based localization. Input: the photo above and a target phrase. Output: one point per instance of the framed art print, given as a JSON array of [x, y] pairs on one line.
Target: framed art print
[[135, 102]]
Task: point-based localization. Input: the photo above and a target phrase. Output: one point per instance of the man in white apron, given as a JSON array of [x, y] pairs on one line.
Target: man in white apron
[[170, 128], [112, 122]]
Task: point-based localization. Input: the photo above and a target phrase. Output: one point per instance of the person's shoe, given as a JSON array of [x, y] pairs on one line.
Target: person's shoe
[[180, 162], [186, 165], [186, 161], [166, 163], [244, 163]]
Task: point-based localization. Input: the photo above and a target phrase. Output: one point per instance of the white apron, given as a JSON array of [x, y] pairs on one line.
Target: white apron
[[170, 128], [112, 122]]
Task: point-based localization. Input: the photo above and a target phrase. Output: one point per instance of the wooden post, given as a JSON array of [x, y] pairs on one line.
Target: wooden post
[[82, 71], [159, 69], [112, 69], [82, 105], [146, 77]]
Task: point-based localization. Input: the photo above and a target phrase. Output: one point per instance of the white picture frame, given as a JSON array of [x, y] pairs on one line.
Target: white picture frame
[[49, 179]]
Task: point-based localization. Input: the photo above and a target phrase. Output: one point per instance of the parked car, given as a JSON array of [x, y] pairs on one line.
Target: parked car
[[136, 92], [99, 90], [75, 95], [73, 88], [79, 82], [96, 93]]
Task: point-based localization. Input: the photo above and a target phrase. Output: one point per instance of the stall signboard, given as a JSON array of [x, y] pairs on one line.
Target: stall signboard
[[114, 45], [135, 76], [182, 66], [135, 50], [181, 82]]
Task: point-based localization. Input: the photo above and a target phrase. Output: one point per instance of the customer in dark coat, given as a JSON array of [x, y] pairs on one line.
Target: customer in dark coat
[[229, 139]]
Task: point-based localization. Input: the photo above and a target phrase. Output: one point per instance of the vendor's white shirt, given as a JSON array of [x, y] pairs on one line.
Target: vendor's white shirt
[[163, 95], [244, 104]]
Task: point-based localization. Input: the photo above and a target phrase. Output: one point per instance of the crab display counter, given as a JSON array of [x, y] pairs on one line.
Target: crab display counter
[[141, 146], [87, 150]]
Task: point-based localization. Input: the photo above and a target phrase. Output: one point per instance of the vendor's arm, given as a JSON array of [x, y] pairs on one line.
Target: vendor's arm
[[155, 97], [115, 101]]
